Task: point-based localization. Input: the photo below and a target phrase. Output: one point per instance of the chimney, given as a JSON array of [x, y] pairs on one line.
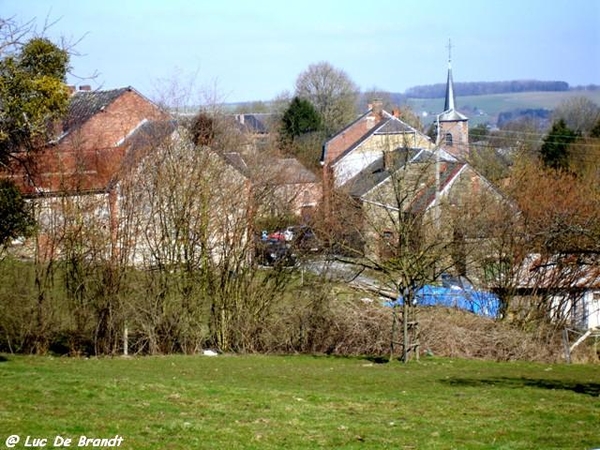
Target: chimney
[[396, 113], [72, 89], [388, 160], [376, 105], [85, 87]]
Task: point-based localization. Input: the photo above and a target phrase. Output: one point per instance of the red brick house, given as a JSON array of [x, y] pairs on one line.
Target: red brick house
[[71, 182], [90, 144], [95, 186]]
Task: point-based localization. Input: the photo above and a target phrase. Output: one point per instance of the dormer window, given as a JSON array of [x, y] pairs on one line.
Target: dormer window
[[449, 139]]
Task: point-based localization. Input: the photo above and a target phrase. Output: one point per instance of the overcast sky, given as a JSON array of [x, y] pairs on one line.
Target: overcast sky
[[254, 50]]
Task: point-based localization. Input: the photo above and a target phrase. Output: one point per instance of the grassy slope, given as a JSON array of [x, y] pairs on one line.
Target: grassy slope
[[227, 402], [492, 105]]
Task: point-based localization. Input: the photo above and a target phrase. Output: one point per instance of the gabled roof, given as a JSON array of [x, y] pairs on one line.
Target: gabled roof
[[427, 196], [257, 123], [377, 172], [380, 170], [350, 131], [236, 160], [387, 125], [146, 137], [85, 104], [393, 125], [291, 171], [148, 133]]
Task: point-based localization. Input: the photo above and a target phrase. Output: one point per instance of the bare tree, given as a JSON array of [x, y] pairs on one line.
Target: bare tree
[[395, 234], [579, 113], [196, 243], [331, 91]]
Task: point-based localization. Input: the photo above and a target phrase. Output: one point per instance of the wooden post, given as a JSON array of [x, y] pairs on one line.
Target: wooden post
[[393, 336], [125, 341], [405, 340]]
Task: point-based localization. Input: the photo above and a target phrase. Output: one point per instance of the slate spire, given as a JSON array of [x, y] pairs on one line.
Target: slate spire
[[449, 103]]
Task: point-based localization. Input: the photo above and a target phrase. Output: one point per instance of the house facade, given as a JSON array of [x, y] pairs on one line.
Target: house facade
[[89, 145], [569, 284], [365, 140], [433, 187]]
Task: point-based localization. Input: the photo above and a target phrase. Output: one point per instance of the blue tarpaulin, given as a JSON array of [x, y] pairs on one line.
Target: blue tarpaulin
[[454, 296]]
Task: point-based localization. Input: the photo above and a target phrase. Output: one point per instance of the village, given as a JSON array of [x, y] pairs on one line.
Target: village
[[230, 225], [127, 184]]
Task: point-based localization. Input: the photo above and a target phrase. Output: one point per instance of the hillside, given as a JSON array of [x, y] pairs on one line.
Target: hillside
[[485, 108], [478, 108]]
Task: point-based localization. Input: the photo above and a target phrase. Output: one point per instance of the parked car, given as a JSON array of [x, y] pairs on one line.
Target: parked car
[[271, 252], [302, 238]]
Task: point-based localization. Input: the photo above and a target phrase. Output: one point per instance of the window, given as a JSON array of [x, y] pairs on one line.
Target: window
[[448, 139]]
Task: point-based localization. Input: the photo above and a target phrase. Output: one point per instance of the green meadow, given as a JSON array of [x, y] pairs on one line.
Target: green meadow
[[296, 402]]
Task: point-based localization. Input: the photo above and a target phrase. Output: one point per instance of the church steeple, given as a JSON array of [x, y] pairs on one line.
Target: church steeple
[[453, 128], [449, 103]]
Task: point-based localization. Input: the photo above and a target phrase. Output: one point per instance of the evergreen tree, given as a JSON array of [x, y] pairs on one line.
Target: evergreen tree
[[555, 148], [300, 118]]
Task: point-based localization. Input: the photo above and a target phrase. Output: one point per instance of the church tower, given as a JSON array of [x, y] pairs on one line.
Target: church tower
[[453, 127]]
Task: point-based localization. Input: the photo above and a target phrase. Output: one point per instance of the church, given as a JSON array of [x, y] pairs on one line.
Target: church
[[452, 126]]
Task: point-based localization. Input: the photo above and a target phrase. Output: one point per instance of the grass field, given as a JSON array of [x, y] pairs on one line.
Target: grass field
[[273, 402]]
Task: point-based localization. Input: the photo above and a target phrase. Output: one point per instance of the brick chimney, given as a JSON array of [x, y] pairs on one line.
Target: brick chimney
[[85, 87]]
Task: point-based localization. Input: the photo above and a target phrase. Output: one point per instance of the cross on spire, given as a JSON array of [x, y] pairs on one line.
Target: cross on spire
[[449, 47]]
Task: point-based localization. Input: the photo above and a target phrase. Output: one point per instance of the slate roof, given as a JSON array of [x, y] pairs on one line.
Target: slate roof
[[376, 173], [450, 113], [257, 123], [394, 126], [452, 116], [85, 104], [389, 124], [149, 133], [291, 171], [236, 160], [426, 197]]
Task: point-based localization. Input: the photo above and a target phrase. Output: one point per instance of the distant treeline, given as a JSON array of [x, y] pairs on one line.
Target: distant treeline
[[486, 88]]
